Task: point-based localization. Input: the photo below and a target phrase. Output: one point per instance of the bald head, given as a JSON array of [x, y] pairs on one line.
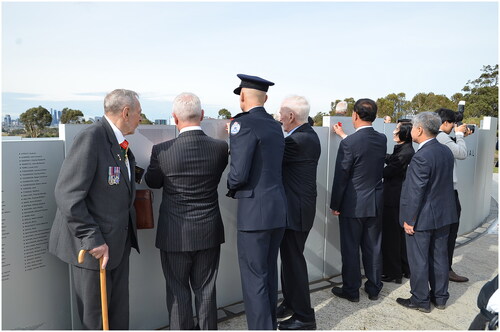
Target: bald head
[[250, 98]]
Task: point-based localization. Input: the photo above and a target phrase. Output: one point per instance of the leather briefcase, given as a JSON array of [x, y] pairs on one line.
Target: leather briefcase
[[144, 209]]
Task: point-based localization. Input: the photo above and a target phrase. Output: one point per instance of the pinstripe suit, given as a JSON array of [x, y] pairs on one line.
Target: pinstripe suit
[[190, 228]]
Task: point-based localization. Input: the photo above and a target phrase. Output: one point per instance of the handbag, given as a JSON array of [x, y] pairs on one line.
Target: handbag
[[144, 209]]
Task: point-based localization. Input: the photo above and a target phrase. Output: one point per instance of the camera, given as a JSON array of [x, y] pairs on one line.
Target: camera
[[459, 116]]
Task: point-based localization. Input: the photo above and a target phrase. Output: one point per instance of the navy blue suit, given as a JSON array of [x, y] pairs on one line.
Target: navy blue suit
[[255, 179], [428, 204], [357, 193], [300, 163]]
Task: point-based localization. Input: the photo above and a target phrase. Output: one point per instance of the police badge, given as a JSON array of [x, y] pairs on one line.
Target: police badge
[[113, 175]]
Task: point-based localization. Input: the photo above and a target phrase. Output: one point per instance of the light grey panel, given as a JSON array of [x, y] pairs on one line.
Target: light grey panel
[[332, 256], [467, 180], [315, 245], [35, 288], [148, 309], [228, 279]]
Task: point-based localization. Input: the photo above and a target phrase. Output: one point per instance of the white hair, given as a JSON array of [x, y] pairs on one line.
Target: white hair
[[118, 99], [298, 105], [341, 107], [187, 107]]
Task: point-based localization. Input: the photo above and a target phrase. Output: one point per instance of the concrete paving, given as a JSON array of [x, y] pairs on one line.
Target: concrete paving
[[476, 258]]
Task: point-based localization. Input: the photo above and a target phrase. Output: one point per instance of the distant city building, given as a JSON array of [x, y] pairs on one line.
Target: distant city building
[[55, 117], [7, 120], [97, 118], [161, 122]]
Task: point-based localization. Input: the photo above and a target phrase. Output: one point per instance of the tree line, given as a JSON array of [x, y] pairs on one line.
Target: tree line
[[480, 95]]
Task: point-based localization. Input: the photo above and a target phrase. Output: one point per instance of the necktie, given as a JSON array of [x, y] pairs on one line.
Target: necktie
[[124, 146]]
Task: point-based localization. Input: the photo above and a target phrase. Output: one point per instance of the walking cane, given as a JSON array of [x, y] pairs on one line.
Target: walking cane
[[104, 298]]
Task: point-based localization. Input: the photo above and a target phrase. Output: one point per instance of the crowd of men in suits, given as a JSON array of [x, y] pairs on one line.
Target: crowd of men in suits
[[273, 177]]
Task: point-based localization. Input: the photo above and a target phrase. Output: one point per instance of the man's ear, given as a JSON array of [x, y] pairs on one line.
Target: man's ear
[[242, 96], [265, 99], [125, 113], [175, 118], [202, 115]]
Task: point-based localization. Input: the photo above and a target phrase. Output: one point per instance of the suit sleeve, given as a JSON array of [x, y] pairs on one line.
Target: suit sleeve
[[291, 150], [343, 166], [73, 185], [414, 189], [243, 146], [154, 175]]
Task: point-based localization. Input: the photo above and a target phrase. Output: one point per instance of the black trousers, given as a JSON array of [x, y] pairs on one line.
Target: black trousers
[[294, 277], [88, 294], [428, 259], [395, 260], [196, 270], [454, 232], [258, 259], [367, 234]]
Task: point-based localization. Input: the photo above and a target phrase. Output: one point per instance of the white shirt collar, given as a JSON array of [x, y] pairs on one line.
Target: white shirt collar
[[362, 127], [422, 144], [190, 128], [118, 134], [291, 131]]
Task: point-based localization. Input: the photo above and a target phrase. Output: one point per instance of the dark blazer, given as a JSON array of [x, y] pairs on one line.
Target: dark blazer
[[90, 210], [427, 197], [395, 172], [300, 163], [189, 169], [255, 176], [357, 185]]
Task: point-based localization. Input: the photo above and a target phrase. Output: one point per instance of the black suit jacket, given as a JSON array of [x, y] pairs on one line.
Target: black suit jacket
[[300, 163], [357, 185], [189, 169], [92, 211], [427, 197], [395, 172]]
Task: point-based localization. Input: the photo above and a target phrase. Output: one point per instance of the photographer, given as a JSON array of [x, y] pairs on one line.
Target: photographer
[[457, 146]]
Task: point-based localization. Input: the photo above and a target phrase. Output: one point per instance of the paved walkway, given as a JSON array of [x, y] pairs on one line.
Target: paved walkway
[[476, 257]]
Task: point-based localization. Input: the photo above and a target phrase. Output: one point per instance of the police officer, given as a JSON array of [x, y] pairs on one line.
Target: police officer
[[255, 179]]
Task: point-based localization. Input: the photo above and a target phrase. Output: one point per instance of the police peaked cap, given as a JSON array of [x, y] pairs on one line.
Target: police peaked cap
[[252, 82]]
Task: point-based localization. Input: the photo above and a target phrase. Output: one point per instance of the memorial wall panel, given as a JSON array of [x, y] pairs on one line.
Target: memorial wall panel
[[35, 288]]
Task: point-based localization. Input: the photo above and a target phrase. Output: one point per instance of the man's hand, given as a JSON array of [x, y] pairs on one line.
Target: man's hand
[[101, 251], [462, 128], [339, 131], [408, 229], [335, 212]]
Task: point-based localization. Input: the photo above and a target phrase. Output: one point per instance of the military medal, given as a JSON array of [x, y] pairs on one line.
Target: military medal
[[113, 175]]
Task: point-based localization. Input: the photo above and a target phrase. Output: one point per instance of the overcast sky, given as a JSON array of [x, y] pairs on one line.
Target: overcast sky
[[70, 54]]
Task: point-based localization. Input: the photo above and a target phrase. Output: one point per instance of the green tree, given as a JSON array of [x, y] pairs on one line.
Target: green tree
[[35, 120], [430, 102], [481, 94], [145, 120], [224, 114], [394, 104], [69, 115], [318, 118]]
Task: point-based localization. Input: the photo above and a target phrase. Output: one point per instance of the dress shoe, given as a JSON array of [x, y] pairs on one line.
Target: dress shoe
[[390, 279], [337, 291], [406, 275], [372, 297], [283, 311], [293, 323], [407, 304], [439, 306], [456, 278]]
